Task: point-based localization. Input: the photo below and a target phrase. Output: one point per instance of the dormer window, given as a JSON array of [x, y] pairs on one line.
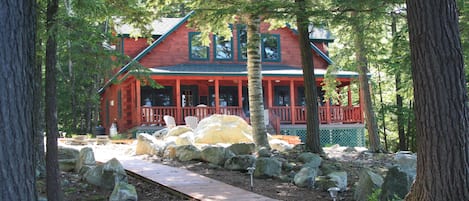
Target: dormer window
[[242, 43], [197, 50]]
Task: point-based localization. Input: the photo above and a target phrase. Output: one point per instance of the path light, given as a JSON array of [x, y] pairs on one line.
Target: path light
[[333, 191], [250, 172]]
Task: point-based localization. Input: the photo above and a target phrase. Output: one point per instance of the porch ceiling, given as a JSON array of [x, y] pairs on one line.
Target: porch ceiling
[[240, 70]]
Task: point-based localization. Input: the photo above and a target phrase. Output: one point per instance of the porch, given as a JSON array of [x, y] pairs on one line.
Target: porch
[[277, 115]]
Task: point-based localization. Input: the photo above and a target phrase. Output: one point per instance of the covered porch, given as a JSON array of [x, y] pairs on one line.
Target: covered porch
[[187, 92]]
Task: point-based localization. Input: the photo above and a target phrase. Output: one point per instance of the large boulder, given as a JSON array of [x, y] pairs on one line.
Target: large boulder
[[396, 183], [85, 161], [306, 177], [242, 148], [367, 183], [216, 155], [240, 162], [188, 152], [267, 167], [104, 175], [186, 138], [147, 144], [223, 129], [178, 130], [67, 158]]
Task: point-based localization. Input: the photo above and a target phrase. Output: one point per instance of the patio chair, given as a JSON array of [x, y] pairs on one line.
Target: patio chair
[[191, 121], [169, 121]]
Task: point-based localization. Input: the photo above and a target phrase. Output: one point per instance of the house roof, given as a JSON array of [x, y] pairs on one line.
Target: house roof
[[240, 70], [166, 30], [157, 27]]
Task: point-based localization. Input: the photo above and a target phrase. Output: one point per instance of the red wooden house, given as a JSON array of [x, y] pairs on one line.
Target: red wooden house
[[203, 80]]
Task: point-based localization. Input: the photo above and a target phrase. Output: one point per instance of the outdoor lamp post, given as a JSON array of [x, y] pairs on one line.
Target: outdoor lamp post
[[250, 172], [333, 191]]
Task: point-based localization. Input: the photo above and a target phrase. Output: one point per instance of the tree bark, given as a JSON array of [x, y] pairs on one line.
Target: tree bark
[[17, 55], [256, 102], [441, 103], [362, 63], [312, 120], [54, 191]]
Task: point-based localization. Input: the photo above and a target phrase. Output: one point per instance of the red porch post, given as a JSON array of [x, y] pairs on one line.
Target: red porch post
[[139, 107], [217, 96], [240, 93], [328, 111], [292, 102], [270, 97], [349, 96], [178, 100]]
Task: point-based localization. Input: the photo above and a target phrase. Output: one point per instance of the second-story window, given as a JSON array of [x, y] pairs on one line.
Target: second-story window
[[197, 50], [223, 48], [242, 42], [270, 47]]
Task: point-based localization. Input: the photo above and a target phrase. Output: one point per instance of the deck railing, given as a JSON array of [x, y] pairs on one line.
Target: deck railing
[[278, 114]]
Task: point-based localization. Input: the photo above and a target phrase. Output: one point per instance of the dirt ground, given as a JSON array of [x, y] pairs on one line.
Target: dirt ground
[[76, 189]]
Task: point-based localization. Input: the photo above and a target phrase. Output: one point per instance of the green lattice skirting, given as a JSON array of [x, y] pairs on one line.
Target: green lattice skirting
[[353, 136]]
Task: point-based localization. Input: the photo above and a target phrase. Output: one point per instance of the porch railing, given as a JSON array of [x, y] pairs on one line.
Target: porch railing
[[278, 114], [154, 115]]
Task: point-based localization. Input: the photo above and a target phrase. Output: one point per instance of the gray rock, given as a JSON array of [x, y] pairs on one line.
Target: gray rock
[[85, 161], [123, 192], [161, 133], [407, 163], [263, 152], [67, 165], [310, 159], [147, 144], [242, 148], [216, 155], [240, 162], [323, 183], [94, 175], [67, 153], [306, 177], [67, 158], [188, 152], [340, 179], [367, 183], [105, 175], [396, 183], [267, 167]]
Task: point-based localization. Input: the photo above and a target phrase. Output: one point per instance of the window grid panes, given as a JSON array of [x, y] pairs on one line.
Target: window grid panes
[[242, 42], [270, 47], [223, 48], [197, 50]]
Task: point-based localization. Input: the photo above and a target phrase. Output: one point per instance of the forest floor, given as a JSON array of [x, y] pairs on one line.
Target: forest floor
[[351, 162]]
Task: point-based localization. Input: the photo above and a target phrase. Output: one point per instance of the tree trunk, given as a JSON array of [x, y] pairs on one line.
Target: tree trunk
[[38, 116], [17, 54], [362, 63], [312, 120], [440, 108], [256, 102], [54, 192]]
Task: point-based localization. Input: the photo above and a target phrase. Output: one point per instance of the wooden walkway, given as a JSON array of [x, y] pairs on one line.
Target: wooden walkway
[[186, 182]]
